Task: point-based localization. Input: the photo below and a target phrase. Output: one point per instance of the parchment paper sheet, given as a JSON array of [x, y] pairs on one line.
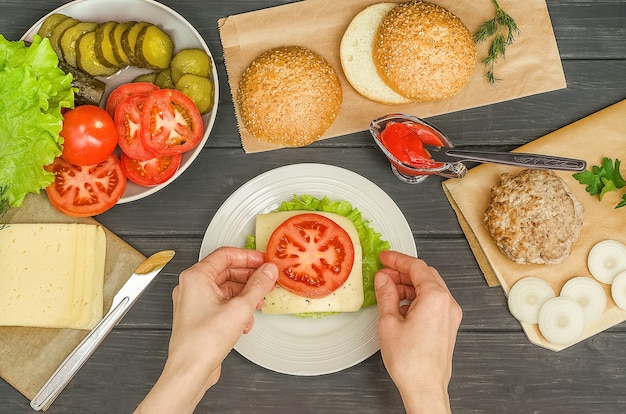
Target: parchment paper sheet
[[592, 138], [532, 64], [29, 356]]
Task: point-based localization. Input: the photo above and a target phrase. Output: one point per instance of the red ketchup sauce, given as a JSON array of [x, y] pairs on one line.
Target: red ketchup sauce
[[405, 141]]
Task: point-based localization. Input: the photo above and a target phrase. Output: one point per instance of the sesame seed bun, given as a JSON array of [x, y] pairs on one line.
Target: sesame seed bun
[[356, 52], [289, 96], [424, 52]]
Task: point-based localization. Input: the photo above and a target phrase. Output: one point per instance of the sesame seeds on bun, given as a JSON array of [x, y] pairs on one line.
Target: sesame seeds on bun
[[289, 96], [424, 52]]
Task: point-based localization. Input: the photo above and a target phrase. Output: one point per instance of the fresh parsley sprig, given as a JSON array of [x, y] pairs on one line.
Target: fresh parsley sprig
[[602, 179], [503, 30]]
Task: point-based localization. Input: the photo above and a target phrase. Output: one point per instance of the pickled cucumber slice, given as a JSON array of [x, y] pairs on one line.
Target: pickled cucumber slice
[[193, 61], [164, 79], [57, 32], [146, 77], [69, 37], [154, 48], [104, 47], [86, 56], [199, 89], [129, 40], [50, 23], [116, 40]]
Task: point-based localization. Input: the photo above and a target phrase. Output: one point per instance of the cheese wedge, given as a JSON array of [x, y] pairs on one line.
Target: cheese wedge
[[51, 275], [348, 298]]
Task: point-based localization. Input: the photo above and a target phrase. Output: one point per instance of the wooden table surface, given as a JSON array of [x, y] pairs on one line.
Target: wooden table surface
[[496, 369]]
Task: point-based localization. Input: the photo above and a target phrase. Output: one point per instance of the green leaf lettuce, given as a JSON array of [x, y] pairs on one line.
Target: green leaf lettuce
[[33, 90]]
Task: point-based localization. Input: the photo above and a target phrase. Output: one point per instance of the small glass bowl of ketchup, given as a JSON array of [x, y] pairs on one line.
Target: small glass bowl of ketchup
[[402, 137]]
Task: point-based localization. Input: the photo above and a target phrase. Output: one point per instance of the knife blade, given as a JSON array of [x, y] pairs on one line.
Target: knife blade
[[122, 301], [521, 159]]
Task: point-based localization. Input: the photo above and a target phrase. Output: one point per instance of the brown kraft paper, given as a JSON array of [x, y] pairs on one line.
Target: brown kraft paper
[[532, 64], [31, 355]]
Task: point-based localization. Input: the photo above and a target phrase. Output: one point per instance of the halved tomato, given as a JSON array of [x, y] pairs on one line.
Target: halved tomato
[[314, 255], [86, 191], [150, 172], [128, 120], [124, 91], [171, 123]]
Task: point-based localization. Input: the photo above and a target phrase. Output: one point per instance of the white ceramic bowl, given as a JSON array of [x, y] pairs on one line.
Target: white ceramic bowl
[[184, 35]]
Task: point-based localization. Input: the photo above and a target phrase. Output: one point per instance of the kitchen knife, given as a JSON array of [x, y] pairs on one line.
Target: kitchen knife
[[547, 162], [122, 302]]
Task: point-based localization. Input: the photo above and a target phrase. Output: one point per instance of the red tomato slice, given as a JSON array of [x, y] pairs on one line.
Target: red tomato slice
[[86, 191], [171, 123], [129, 130], [124, 91], [151, 172], [313, 253]]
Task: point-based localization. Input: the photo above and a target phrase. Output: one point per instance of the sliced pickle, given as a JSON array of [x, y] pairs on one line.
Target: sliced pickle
[[164, 79], [69, 37], [193, 61], [154, 48], [129, 40], [86, 56], [50, 23], [104, 47], [199, 89], [116, 40], [146, 77], [57, 32]]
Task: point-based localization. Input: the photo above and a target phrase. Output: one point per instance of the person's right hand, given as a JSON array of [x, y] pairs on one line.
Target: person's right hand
[[417, 340]]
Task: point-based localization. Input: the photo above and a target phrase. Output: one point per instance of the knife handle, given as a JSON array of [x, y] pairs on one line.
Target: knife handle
[[522, 159], [74, 361]]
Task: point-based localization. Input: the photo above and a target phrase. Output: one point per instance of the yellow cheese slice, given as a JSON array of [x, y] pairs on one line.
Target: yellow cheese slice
[[43, 280], [348, 298]]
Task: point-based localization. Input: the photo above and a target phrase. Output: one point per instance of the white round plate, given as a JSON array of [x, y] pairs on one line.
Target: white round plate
[[184, 36], [285, 343]]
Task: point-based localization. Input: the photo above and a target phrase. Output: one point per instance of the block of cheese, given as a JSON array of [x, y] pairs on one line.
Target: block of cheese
[[52, 275], [348, 298]]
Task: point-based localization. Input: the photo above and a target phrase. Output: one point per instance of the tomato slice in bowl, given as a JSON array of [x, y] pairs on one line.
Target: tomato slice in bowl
[[86, 191], [150, 172], [124, 91], [128, 123], [314, 255], [171, 123]]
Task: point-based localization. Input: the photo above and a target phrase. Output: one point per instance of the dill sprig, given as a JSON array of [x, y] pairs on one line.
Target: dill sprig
[[503, 30]]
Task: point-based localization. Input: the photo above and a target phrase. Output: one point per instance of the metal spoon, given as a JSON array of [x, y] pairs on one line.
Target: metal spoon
[[540, 161]]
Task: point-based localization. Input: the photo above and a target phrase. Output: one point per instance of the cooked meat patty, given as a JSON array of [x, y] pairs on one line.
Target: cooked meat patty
[[533, 218]]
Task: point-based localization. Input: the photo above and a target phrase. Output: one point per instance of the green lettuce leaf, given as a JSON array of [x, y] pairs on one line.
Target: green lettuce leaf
[[33, 90], [371, 241]]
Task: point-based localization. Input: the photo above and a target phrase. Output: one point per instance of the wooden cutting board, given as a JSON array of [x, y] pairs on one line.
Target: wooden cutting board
[[592, 138], [30, 355]]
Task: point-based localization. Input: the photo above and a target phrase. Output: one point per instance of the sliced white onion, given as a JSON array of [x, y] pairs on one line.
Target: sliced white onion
[[606, 259], [527, 296], [589, 293], [561, 320], [618, 290]]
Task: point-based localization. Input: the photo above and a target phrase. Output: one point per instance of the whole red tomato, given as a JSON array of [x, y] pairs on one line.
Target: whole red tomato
[[89, 135]]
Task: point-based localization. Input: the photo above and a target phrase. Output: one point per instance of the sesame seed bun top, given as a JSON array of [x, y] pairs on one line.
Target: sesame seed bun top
[[289, 96], [424, 52]]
